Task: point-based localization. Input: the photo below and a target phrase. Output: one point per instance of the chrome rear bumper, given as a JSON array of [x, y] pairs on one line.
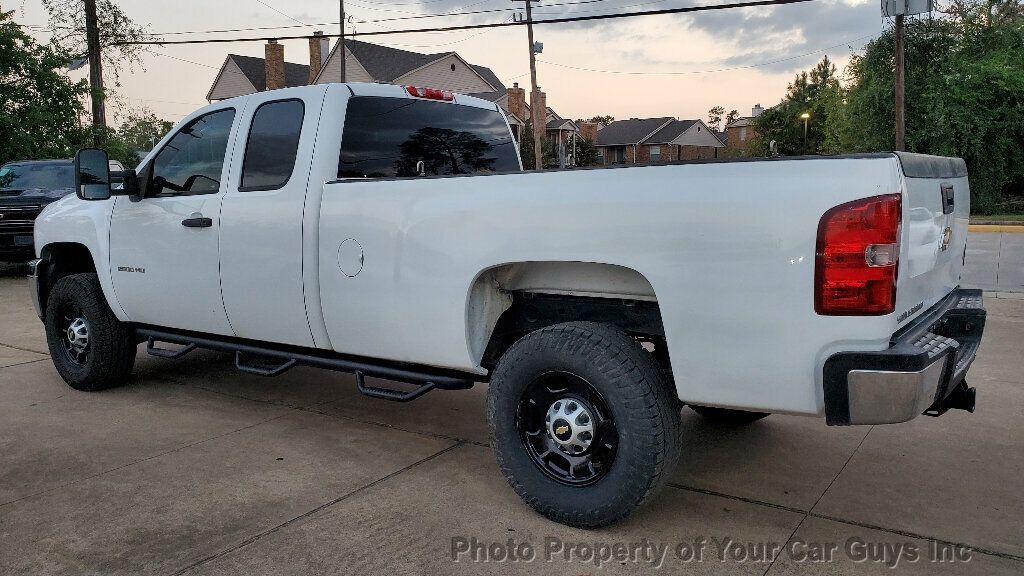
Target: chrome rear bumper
[[922, 372]]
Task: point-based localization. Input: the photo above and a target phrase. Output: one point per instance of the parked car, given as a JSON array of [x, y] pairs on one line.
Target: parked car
[[389, 231], [25, 188]]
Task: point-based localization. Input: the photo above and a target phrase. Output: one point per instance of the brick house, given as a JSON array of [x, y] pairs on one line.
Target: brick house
[[653, 140], [364, 62], [520, 113], [740, 132]]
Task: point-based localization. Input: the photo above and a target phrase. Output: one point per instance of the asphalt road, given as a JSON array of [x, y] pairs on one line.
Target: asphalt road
[[195, 468]]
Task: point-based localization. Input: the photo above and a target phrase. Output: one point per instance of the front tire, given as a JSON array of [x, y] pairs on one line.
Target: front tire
[[582, 423], [91, 349]]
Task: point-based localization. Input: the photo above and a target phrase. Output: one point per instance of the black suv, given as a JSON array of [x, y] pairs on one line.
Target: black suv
[[25, 188]]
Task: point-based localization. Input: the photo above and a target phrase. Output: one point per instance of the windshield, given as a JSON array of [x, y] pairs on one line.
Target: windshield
[[41, 175]]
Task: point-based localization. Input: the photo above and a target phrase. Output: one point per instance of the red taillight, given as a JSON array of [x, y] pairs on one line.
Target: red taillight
[[430, 93], [857, 258]]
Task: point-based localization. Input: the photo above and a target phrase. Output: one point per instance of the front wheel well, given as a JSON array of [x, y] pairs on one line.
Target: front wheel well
[[63, 259]]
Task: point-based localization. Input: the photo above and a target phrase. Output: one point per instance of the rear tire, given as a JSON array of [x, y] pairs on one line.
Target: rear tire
[[582, 423], [727, 416], [91, 349]]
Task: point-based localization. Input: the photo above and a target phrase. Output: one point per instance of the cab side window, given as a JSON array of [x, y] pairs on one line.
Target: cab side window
[[272, 145], [192, 160]]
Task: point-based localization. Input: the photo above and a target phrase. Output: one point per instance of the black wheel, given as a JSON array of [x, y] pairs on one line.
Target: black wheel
[[727, 416], [582, 423], [91, 349]]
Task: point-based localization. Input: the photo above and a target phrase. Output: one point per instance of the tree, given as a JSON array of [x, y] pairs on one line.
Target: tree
[[602, 120], [586, 152], [40, 107], [549, 155], [815, 93], [965, 93], [142, 129], [718, 120], [67, 21], [715, 118]]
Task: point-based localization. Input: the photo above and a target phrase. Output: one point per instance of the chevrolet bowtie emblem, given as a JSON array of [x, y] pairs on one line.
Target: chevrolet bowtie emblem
[[561, 430], [947, 237]]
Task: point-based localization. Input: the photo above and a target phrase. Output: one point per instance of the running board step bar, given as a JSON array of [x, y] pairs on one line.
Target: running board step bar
[[283, 358]]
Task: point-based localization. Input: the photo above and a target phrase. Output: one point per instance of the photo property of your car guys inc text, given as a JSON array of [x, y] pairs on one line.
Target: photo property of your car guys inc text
[[511, 287]]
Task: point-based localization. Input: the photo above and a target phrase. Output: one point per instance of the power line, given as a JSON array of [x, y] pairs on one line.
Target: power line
[[372, 21], [666, 11], [281, 13]]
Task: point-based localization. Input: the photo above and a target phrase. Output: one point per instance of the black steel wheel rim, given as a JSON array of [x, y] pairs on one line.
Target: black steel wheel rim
[[558, 461]]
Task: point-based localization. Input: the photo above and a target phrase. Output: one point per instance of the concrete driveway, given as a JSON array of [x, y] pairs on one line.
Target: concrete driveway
[[198, 469], [995, 260]]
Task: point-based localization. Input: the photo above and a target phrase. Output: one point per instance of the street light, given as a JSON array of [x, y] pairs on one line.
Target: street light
[[806, 117]]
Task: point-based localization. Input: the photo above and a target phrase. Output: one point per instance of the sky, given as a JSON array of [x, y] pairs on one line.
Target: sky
[[674, 65]]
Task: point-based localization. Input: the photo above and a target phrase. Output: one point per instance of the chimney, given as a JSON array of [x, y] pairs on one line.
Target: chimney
[[588, 130], [539, 110], [756, 111], [274, 64], [318, 52], [517, 101]]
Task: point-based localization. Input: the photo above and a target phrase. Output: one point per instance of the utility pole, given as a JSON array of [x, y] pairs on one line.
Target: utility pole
[[901, 129], [341, 40], [92, 38], [538, 154]]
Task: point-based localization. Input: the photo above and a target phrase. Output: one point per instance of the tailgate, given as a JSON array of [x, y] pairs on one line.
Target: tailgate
[[936, 210]]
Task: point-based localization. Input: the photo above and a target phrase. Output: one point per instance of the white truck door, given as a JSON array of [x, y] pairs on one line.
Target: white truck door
[[261, 219], [164, 249]]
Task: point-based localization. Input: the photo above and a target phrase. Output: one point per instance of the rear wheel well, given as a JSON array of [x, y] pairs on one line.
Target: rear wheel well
[[530, 311]]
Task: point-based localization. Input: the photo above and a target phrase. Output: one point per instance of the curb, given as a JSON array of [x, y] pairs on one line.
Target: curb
[[1000, 228]]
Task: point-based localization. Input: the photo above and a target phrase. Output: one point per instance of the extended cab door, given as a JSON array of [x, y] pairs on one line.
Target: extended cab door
[[261, 242], [164, 258]]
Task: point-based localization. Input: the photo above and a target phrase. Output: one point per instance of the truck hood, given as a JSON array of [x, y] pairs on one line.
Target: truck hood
[[32, 195]]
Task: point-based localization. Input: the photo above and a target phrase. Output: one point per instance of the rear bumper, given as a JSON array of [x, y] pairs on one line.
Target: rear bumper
[[923, 371]]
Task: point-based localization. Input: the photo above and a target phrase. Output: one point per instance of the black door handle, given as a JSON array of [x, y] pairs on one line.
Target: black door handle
[[197, 222], [948, 197]]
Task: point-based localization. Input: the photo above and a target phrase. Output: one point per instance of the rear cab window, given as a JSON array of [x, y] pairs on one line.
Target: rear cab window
[[401, 137], [272, 145]]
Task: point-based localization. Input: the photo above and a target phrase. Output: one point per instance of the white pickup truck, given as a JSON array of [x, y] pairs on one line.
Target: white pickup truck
[[389, 232]]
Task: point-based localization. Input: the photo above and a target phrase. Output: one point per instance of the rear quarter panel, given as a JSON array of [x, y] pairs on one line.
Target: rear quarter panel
[[728, 248]]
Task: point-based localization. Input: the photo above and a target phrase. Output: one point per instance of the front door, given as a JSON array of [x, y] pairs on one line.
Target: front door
[[164, 249]]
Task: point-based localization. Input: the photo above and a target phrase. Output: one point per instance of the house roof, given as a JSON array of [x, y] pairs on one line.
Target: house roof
[[386, 64], [670, 132], [741, 122], [255, 70], [723, 136], [634, 131], [562, 124], [489, 96]]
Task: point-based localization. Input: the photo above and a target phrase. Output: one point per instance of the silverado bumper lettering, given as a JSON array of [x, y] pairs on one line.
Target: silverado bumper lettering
[[923, 371]]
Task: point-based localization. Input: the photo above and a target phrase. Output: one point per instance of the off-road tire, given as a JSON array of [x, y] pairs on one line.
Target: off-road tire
[[112, 344], [637, 393], [727, 416]]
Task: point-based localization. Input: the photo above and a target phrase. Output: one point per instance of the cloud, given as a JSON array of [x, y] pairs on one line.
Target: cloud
[[785, 32], [776, 35]]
